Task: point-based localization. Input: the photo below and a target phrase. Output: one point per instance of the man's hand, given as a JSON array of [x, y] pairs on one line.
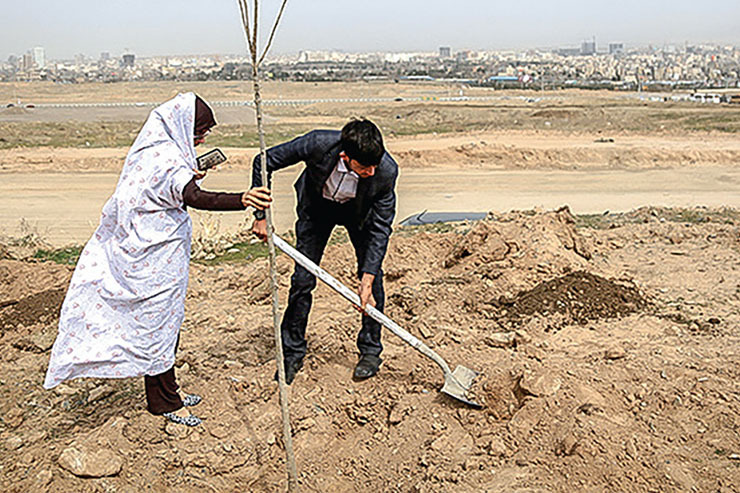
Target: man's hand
[[259, 198], [259, 228], [366, 291]]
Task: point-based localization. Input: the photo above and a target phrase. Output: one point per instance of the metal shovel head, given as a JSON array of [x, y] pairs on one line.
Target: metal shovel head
[[458, 383]]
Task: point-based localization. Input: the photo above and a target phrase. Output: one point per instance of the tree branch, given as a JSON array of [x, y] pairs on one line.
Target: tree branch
[[254, 32], [272, 34], [245, 22]]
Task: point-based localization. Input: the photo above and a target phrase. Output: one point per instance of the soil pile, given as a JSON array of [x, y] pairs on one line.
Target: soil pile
[[636, 399], [579, 296], [40, 308]]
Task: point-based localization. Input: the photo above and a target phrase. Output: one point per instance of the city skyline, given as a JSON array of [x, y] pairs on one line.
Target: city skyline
[[574, 48], [383, 26]]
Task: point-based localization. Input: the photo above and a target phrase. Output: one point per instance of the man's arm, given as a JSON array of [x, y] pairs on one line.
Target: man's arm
[[279, 157], [283, 155], [379, 226]]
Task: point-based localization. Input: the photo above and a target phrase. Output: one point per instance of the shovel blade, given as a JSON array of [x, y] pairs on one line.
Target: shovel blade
[[458, 383]]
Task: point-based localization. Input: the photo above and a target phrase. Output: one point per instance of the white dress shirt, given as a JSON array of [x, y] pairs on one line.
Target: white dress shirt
[[341, 185]]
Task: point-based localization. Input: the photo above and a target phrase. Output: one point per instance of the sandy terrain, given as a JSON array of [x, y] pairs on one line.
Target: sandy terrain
[[65, 208], [607, 360], [608, 351], [61, 191]]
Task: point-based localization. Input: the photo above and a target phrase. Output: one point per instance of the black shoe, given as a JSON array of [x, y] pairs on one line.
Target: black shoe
[[367, 367], [291, 368]]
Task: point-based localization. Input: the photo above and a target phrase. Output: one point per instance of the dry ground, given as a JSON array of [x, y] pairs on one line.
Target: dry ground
[[607, 344], [608, 359]]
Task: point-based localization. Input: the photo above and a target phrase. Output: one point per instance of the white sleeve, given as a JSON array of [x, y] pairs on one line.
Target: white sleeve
[[178, 180]]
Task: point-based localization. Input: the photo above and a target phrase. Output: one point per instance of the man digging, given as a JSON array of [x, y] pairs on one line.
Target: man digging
[[349, 180]]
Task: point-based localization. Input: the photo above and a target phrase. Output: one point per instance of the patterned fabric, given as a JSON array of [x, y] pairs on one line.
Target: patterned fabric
[[191, 420], [126, 299], [191, 400]]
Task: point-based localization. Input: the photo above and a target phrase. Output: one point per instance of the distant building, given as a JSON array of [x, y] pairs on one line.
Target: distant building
[[616, 48], [39, 57], [445, 52], [503, 78], [463, 56], [104, 56], [588, 47], [13, 61], [569, 51], [79, 59], [27, 61], [128, 60]]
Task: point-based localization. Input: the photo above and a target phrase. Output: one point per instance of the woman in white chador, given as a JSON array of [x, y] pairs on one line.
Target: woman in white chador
[[126, 300]]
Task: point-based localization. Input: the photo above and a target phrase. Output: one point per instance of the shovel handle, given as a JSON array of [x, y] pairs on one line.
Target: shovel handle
[[352, 297]]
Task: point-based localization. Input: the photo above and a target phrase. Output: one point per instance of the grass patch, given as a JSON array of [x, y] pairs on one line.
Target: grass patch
[[459, 227], [247, 251], [241, 252], [593, 221], [65, 256], [695, 215], [67, 134]]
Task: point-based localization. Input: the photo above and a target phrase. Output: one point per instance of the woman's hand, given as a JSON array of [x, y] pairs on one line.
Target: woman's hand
[[199, 175], [259, 198]]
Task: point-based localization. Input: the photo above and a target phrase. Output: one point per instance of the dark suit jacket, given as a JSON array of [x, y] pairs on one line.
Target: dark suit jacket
[[375, 203]]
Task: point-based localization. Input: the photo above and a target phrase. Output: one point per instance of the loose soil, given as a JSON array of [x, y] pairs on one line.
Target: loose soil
[[613, 368], [580, 296]]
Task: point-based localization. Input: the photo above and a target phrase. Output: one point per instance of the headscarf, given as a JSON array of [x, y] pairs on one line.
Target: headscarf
[[204, 118], [126, 300]]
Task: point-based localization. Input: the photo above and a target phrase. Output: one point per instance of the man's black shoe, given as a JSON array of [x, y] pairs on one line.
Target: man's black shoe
[[367, 367], [291, 368]]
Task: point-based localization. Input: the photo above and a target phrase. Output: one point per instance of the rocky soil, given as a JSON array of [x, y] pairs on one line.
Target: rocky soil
[[608, 359]]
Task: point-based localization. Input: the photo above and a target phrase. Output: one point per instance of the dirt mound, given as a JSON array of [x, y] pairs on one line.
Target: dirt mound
[[566, 410], [19, 280], [39, 308], [557, 113], [495, 155], [580, 296], [14, 110]]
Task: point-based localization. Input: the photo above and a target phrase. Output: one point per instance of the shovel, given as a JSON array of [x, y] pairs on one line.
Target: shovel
[[457, 383]]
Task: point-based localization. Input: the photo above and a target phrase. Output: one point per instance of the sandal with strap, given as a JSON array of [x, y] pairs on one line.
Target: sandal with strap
[[191, 400], [191, 420]]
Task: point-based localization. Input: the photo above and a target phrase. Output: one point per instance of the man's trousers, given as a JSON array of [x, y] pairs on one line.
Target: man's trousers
[[312, 234]]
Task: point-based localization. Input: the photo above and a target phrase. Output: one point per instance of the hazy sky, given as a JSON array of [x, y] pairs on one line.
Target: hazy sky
[[161, 27]]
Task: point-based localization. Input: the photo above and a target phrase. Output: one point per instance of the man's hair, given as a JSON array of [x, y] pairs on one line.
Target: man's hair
[[361, 141]]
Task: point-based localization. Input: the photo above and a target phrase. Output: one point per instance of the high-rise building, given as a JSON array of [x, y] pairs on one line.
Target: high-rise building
[[27, 61], [39, 57], [445, 52], [128, 60], [616, 48], [104, 56], [588, 47]]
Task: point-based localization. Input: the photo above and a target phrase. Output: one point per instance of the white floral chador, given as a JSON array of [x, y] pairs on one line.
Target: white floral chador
[[126, 300]]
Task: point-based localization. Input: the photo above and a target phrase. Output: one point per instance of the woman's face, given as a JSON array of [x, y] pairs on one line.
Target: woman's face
[[200, 137]]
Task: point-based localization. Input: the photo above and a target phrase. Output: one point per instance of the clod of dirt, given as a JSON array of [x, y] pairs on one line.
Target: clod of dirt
[[579, 296], [39, 308], [556, 113], [483, 239], [90, 463]]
